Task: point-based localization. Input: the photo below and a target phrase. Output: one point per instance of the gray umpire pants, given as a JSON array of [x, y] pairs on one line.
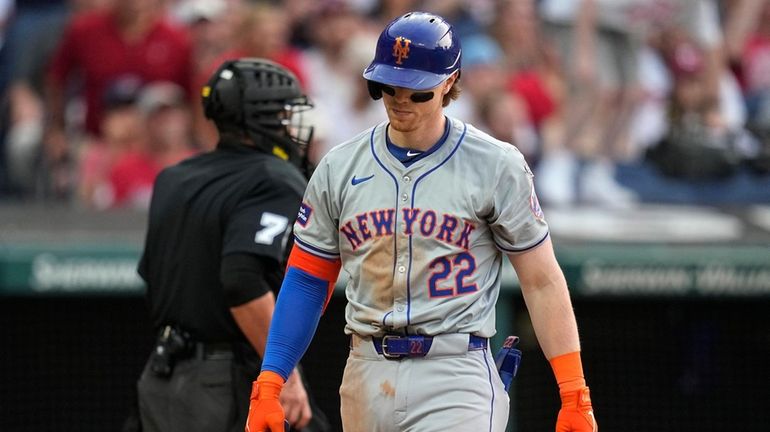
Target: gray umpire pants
[[206, 392]]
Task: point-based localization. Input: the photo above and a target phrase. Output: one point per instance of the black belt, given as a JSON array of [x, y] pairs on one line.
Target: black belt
[[180, 344], [395, 347], [213, 351]]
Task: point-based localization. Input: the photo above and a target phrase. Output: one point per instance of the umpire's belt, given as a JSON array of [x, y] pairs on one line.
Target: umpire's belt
[[213, 351], [396, 347]]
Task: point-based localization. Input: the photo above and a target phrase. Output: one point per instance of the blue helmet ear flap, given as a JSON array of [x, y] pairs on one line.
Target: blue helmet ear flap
[[375, 91]]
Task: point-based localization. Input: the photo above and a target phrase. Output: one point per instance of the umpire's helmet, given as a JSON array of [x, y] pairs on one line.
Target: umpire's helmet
[[418, 51], [260, 98]]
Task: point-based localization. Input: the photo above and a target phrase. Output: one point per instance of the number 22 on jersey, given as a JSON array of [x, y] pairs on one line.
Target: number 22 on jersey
[[461, 266]]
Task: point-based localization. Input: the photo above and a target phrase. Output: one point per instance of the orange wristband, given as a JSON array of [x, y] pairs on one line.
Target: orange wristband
[[568, 370], [269, 384]]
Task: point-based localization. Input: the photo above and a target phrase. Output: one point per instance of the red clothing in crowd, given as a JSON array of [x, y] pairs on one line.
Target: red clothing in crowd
[[93, 46], [131, 179], [530, 87], [756, 64]]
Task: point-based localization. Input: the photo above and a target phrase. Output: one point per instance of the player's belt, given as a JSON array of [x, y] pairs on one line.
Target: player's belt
[[398, 346]]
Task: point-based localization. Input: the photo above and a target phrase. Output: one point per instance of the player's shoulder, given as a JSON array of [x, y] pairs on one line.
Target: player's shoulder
[[477, 139]]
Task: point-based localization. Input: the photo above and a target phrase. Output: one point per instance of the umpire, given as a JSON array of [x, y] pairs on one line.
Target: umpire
[[219, 224]]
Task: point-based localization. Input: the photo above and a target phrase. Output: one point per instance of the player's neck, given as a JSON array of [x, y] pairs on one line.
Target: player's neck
[[421, 138]]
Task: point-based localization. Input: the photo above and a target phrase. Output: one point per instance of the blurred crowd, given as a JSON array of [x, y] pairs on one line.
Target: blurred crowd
[[99, 95]]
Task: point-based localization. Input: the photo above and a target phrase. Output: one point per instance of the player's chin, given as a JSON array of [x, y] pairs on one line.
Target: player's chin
[[402, 126], [402, 123]]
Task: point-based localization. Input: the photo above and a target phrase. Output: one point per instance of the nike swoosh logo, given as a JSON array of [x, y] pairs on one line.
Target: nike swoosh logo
[[410, 154], [354, 181]]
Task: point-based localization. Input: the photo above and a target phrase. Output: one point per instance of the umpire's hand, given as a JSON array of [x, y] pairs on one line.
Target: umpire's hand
[[294, 401]]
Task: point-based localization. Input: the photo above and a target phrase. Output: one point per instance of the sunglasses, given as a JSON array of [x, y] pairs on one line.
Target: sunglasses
[[416, 97]]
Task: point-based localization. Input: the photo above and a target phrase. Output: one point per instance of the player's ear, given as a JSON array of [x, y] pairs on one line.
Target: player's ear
[[449, 82]]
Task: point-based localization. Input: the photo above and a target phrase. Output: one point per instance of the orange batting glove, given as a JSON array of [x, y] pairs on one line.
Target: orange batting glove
[[265, 412], [576, 413]]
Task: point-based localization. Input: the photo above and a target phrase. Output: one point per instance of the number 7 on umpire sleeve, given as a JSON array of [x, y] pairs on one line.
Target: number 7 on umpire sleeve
[[273, 226]]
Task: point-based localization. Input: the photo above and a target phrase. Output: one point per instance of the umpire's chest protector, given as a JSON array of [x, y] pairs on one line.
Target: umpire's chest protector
[[421, 244]]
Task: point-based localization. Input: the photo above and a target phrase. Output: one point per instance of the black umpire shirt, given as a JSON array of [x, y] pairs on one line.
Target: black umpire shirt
[[233, 200]]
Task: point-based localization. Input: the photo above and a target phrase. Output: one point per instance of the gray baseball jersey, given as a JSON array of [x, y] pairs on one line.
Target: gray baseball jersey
[[422, 245]]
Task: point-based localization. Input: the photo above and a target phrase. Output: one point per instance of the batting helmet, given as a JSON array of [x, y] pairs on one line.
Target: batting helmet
[[261, 98], [418, 51]]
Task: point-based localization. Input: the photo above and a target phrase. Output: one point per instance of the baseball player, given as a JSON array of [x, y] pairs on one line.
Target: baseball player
[[419, 212], [215, 250]]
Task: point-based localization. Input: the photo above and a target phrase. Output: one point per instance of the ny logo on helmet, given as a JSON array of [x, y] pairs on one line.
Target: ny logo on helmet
[[401, 49]]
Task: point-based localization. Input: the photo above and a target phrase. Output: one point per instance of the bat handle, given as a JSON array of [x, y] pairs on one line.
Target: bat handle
[[286, 426]]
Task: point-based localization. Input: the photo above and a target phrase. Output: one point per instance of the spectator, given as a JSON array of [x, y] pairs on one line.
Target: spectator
[[704, 129], [168, 122], [504, 116], [19, 20], [341, 52], [263, 31], [598, 49], [533, 74], [131, 37], [749, 47], [466, 16], [747, 41], [484, 70], [210, 29], [302, 15], [39, 26], [531, 61], [212, 26], [131, 178], [6, 10], [600, 42], [118, 171], [497, 111], [386, 10]]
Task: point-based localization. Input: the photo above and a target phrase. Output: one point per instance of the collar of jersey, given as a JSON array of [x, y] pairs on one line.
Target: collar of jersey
[[401, 153], [233, 144]]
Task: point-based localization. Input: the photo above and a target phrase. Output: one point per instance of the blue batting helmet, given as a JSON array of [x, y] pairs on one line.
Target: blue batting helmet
[[418, 51]]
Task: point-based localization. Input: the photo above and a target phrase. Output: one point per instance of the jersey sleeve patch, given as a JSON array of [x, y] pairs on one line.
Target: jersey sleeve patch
[[304, 214], [534, 204]]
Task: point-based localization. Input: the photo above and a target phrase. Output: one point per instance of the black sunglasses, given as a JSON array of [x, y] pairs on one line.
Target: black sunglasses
[[416, 97]]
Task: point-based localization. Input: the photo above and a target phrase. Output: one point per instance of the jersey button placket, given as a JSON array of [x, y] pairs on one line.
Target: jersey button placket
[[399, 288], [399, 296]]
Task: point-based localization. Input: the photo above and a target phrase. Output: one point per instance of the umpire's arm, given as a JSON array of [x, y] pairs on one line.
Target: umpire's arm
[[252, 303], [249, 296]]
